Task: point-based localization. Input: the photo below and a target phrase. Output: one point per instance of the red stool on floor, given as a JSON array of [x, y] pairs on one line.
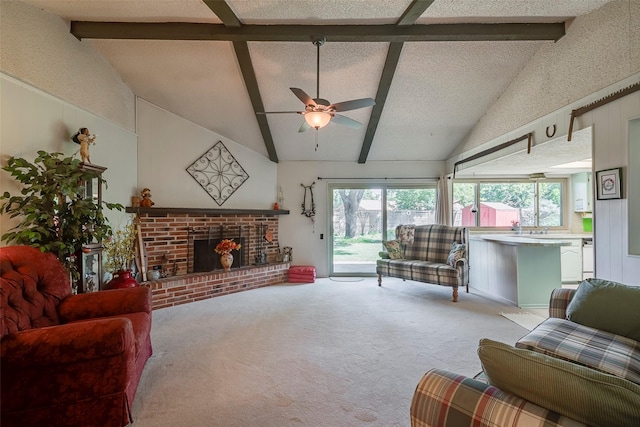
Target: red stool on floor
[[302, 274]]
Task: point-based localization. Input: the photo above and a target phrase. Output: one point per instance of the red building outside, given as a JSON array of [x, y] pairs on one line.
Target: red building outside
[[492, 214]]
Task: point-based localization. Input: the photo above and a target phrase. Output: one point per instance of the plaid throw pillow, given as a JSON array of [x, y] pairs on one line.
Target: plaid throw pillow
[[393, 249]]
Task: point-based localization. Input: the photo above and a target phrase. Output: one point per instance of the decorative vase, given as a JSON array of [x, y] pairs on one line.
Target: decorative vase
[[226, 259], [122, 279]]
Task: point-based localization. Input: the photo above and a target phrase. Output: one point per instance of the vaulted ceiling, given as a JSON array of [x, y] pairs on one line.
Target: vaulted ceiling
[[433, 67]]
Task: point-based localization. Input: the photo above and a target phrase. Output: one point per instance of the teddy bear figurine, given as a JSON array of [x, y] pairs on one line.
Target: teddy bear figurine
[[146, 201]]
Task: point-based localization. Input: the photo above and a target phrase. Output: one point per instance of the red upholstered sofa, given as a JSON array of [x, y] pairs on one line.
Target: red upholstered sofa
[[67, 360]]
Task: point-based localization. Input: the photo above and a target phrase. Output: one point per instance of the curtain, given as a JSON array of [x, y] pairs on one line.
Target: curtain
[[443, 209]]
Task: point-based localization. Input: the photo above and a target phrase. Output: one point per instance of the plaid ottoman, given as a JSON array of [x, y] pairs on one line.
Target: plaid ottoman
[[302, 274]]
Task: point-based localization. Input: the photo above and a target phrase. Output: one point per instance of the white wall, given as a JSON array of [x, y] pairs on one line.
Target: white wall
[[168, 144], [38, 49], [633, 192], [611, 217], [33, 120], [302, 234], [51, 84]]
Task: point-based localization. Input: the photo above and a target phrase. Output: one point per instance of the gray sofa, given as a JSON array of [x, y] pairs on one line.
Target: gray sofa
[[579, 367], [425, 259]]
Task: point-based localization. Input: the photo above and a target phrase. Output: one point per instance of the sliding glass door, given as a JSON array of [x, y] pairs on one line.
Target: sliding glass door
[[363, 216]]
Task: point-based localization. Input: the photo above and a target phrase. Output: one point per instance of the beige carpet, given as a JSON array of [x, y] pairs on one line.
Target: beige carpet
[[332, 353]]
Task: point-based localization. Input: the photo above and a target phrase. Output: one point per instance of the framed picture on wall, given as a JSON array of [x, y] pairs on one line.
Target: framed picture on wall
[[608, 184]]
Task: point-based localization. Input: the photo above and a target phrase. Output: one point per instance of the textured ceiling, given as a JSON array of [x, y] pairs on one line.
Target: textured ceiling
[[438, 92]]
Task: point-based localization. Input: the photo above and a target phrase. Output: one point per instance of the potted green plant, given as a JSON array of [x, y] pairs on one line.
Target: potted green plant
[[54, 213]]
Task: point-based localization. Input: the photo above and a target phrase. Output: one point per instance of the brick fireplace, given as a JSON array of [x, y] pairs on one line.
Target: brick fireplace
[[171, 236]]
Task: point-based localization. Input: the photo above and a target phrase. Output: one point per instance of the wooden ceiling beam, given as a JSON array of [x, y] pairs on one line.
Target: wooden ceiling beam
[[250, 81], [223, 12], [413, 12], [390, 65], [306, 33], [409, 17], [229, 19]]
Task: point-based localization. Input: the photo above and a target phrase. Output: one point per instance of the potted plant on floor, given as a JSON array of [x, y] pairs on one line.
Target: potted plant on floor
[[54, 212]]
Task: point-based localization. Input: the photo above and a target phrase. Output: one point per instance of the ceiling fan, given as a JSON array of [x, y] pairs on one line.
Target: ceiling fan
[[318, 112]]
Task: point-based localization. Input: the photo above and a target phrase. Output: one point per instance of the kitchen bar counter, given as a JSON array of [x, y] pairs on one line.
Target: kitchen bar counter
[[523, 239], [519, 269]]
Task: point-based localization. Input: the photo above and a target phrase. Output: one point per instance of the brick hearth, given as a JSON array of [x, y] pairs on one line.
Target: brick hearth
[[168, 236], [177, 290]]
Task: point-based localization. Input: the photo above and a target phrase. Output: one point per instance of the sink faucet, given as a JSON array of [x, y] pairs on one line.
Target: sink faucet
[[543, 231]]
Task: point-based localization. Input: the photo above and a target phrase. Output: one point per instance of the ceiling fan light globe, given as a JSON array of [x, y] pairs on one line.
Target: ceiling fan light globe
[[317, 119]]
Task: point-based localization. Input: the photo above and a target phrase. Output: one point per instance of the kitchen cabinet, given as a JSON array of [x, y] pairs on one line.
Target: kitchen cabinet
[[571, 261], [582, 192], [518, 270]]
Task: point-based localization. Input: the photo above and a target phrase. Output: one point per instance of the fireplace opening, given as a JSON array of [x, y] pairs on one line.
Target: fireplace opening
[[206, 259]]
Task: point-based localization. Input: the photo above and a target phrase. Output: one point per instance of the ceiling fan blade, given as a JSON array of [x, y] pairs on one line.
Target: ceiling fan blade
[[302, 96], [278, 112], [305, 127], [346, 121], [354, 104]]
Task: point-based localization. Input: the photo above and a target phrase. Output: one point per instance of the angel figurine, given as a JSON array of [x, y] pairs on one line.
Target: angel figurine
[[84, 138]]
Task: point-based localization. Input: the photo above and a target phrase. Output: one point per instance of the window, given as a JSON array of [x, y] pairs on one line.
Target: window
[[503, 204], [364, 215], [409, 206]]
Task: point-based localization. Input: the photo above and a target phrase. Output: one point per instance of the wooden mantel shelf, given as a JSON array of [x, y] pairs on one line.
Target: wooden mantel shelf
[[204, 211]]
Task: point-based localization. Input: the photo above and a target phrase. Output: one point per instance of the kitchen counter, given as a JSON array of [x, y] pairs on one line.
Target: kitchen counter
[[558, 236], [523, 239], [518, 269], [553, 236]]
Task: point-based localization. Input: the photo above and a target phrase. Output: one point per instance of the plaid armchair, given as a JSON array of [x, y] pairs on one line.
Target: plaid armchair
[[425, 260], [444, 398]]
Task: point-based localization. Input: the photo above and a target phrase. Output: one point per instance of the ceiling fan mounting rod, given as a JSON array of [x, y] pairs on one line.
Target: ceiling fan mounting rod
[[319, 41]]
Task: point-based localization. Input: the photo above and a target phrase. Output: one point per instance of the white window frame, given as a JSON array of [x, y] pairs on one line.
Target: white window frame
[[565, 202]]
